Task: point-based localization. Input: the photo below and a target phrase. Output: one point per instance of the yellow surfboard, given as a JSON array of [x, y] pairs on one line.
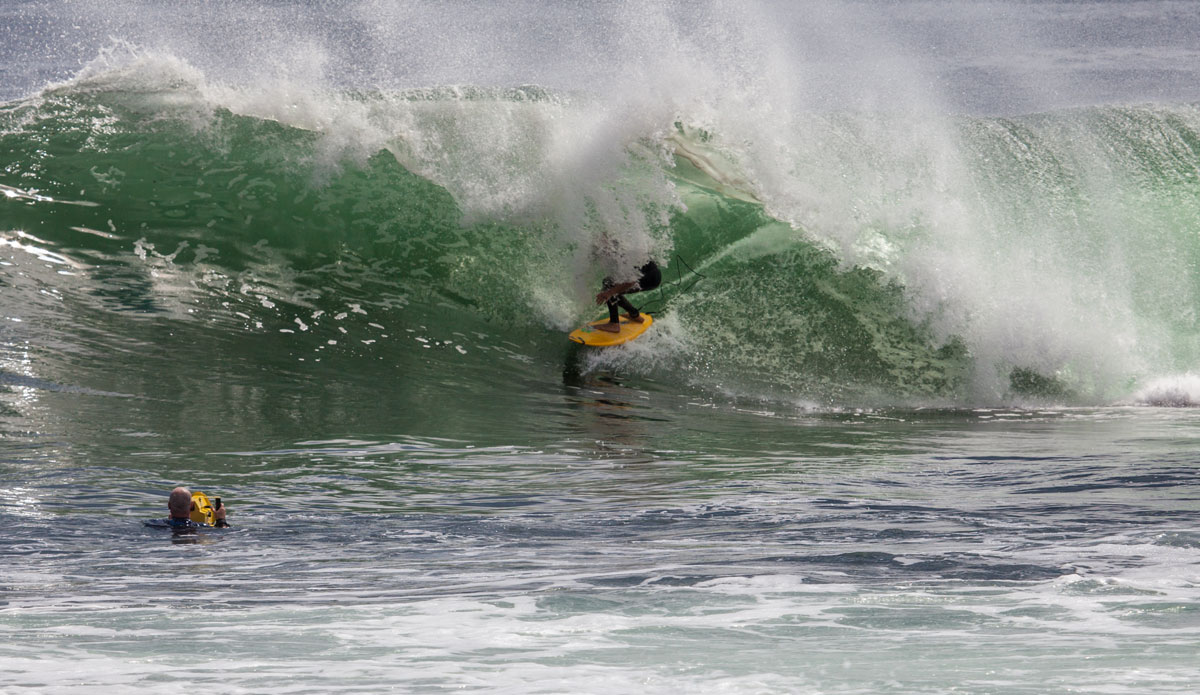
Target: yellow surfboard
[[202, 509], [590, 335]]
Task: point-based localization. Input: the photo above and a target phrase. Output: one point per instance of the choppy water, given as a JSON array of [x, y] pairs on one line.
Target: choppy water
[[917, 413], [998, 551]]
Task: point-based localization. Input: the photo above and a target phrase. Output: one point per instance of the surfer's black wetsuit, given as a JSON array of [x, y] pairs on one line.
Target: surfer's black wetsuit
[[651, 278]]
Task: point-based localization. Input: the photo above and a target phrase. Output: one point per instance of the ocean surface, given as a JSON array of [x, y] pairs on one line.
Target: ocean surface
[[919, 411]]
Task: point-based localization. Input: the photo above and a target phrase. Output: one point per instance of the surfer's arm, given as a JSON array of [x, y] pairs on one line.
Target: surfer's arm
[[614, 291], [219, 514]]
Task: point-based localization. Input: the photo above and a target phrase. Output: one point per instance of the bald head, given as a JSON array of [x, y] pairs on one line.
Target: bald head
[[180, 502]]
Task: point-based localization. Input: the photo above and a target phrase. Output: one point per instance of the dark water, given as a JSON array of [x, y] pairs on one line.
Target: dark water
[[916, 413]]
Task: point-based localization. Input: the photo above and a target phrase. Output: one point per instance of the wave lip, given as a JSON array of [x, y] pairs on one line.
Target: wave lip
[[1179, 391]]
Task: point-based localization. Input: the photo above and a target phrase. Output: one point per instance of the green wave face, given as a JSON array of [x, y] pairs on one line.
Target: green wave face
[[452, 234]]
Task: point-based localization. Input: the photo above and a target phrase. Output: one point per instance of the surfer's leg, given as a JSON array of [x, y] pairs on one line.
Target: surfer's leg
[[613, 326], [614, 321], [630, 310], [612, 308]]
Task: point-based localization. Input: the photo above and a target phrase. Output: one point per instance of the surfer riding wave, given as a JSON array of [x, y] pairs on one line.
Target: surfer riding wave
[[614, 295]]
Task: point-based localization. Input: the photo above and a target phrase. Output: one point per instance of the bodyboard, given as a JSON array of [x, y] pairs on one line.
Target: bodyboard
[[590, 335]]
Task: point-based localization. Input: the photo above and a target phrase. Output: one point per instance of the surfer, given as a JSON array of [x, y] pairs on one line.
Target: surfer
[[180, 504], [614, 295]]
